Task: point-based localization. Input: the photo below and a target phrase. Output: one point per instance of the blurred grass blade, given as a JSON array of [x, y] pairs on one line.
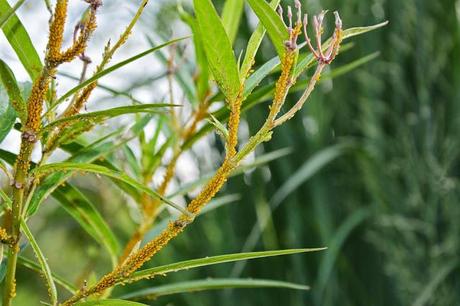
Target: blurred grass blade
[[91, 168], [334, 246], [109, 113], [305, 172], [210, 284], [428, 292], [109, 303], [314, 164], [113, 68], [13, 91], [344, 69], [20, 41], [231, 16], [57, 279], [218, 49], [214, 260], [253, 46], [272, 22], [84, 212], [260, 160], [43, 264]]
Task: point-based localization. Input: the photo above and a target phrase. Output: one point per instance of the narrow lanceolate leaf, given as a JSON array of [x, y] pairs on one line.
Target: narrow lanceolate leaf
[[109, 113], [272, 22], [88, 154], [20, 41], [4, 16], [14, 93], [57, 279], [253, 46], [84, 212], [214, 260], [75, 167], [111, 69], [109, 303], [218, 49], [231, 16], [43, 264], [210, 284], [254, 80], [7, 114], [348, 33]]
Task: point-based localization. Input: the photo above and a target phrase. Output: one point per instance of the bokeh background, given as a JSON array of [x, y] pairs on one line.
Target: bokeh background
[[372, 173]]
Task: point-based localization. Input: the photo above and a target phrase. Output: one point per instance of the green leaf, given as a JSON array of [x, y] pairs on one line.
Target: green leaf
[[210, 284], [43, 264], [108, 113], [254, 80], [218, 49], [20, 41], [214, 260], [109, 303], [57, 279], [86, 154], [351, 32], [13, 91], [6, 15], [91, 168], [253, 46], [272, 22], [7, 115], [231, 16], [111, 69], [86, 214], [202, 75]]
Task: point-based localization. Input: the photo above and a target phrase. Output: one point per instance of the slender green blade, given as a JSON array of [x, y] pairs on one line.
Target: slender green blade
[[109, 113], [43, 264], [7, 114], [20, 41], [231, 16], [214, 260], [86, 214], [218, 49], [91, 168], [253, 46], [109, 303], [272, 22], [211, 284], [111, 69], [57, 279], [6, 15]]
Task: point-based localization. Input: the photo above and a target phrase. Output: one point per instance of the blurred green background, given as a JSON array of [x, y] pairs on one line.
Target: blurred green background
[[373, 174]]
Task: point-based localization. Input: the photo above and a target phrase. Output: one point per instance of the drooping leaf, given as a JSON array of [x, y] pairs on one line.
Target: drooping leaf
[[272, 22], [214, 260], [42, 261], [6, 15], [111, 69], [57, 279], [218, 49], [87, 154], [210, 284], [86, 214], [20, 41], [91, 168], [13, 91], [231, 16]]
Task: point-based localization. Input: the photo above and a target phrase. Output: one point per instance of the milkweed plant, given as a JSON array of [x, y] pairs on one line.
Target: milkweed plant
[[224, 88]]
